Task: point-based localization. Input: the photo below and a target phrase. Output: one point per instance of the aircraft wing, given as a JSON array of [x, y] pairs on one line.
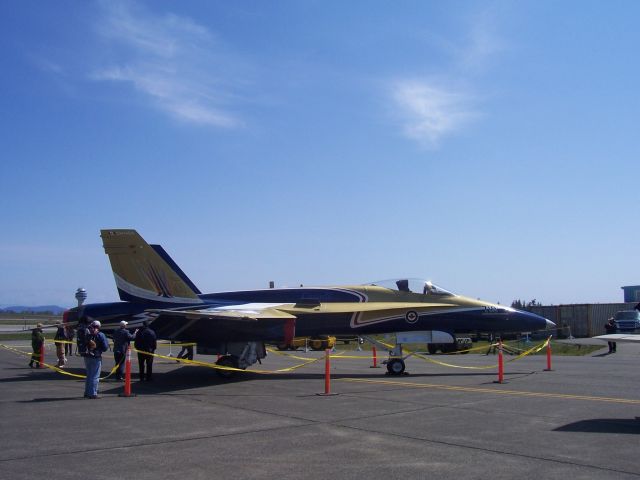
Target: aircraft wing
[[233, 323], [619, 337], [247, 312], [269, 320], [259, 311]]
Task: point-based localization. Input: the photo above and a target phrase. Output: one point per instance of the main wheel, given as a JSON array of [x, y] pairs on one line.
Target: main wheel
[[432, 349], [230, 361], [395, 366]]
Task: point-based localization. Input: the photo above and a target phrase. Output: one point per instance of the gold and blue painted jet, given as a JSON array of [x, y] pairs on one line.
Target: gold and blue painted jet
[[237, 324]]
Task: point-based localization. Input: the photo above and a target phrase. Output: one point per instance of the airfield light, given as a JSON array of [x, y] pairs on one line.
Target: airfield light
[[81, 296]]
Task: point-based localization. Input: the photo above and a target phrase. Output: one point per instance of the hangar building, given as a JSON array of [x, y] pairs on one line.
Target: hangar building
[[587, 319]]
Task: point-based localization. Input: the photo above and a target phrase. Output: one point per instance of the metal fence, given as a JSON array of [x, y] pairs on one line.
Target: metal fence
[[581, 320]]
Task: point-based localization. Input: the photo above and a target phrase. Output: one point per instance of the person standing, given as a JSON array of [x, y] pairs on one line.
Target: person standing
[[146, 344], [121, 339], [95, 345], [610, 328], [37, 344], [69, 335], [60, 341]]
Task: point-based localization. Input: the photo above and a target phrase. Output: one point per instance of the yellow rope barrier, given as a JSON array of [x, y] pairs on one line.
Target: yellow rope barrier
[[56, 368], [232, 369], [305, 360]]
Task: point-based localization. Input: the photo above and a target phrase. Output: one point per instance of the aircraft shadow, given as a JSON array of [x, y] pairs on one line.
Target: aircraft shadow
[[50, 399], [603, 425], [188, 377], [40, 374], [193, 377]]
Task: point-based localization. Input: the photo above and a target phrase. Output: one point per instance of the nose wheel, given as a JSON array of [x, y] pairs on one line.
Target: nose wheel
[[395, 366]]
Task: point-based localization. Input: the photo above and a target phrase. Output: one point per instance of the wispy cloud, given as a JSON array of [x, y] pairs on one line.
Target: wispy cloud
[[175, 62], [480, 44], [430, 111], [433, 106]]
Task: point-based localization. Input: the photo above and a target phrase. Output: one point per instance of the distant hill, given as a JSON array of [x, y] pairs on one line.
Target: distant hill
[[53, 309]]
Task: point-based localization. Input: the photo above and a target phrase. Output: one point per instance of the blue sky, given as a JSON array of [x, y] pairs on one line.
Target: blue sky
[[491, 147]]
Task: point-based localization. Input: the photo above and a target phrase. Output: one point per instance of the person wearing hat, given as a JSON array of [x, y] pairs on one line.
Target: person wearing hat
[[96, 345], [37, 344], [121, 339]]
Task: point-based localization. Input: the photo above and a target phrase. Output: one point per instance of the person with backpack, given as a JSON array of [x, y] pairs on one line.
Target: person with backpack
[[94, 345], [145, 344], [81, 331]]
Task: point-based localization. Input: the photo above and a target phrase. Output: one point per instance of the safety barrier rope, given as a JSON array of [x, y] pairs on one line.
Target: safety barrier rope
[[232, 369], [305, 360], [55, 368], [534, 349]]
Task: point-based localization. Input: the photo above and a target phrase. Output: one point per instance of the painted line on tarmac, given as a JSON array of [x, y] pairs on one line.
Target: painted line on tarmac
[[494, 391]]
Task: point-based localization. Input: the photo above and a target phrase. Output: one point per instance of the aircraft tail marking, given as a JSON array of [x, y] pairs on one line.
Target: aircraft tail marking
[[144, 272]]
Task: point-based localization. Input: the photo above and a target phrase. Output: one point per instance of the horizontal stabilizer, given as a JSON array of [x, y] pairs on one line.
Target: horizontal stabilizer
[[237, 313], [619, 337]]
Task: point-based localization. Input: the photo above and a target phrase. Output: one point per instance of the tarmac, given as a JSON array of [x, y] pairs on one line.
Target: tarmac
[[578, 421]]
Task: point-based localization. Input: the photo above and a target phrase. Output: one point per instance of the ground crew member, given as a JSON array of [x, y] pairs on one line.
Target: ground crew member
[[37, 343], [121, 339], [95, 344], [610, 327], [145, 343]]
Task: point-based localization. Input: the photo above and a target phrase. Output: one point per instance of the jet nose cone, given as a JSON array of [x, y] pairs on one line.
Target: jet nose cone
[[550, 324]]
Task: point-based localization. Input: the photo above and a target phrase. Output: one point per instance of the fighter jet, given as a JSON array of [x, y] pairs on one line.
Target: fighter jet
[[236, 325]]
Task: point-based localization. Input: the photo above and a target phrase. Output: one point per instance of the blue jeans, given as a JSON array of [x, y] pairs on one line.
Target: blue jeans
[[93, 366]]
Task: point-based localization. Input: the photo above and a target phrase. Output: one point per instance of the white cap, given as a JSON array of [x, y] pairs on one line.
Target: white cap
[[123, 323], [95, 323]]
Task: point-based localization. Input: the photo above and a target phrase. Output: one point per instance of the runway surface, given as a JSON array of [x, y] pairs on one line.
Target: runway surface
[[579, 421]]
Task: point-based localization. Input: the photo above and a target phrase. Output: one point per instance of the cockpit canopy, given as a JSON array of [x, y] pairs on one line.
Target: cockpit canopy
[[415, 285]]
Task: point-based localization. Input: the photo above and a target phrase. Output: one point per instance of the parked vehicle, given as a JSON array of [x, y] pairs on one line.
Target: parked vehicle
[[347, 339], [462, 345], [627, 321], [321, 342]]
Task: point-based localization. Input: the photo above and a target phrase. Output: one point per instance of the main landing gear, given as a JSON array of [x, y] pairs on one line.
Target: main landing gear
[[237, 356], [230, 361]]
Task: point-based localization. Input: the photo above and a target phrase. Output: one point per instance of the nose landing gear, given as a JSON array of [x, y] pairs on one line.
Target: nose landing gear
[[395, 366]]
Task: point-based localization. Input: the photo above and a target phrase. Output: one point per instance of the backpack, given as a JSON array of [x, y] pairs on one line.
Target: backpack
[[82, 339]]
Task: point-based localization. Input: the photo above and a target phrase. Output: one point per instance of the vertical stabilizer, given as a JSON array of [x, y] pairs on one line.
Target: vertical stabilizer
[[141, 274]]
